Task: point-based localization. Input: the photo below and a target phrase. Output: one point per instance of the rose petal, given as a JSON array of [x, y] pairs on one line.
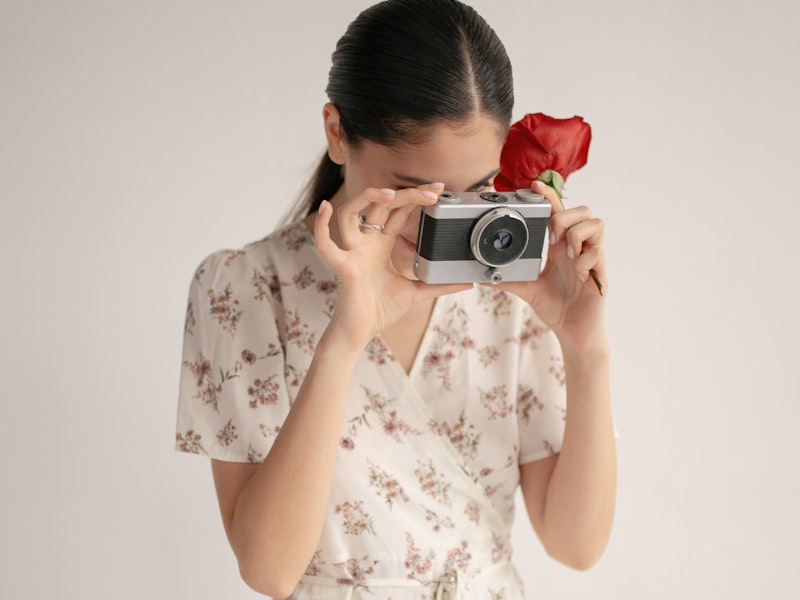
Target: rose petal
[[537, 143]]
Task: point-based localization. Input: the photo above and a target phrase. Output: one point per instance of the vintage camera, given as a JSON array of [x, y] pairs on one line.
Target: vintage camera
[[482, 236]]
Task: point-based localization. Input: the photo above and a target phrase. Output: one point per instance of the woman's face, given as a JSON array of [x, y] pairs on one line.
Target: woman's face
[[464, 156]]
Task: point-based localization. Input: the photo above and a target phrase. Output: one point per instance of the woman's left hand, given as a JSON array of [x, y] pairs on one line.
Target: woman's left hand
[[565, 296]]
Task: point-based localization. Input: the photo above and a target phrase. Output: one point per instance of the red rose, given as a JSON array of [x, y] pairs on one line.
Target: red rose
[[537, 144]]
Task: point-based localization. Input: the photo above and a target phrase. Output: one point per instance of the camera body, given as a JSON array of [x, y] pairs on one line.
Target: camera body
[[482, 237]]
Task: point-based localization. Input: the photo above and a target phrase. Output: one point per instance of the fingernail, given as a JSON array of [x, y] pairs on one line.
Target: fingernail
[[552, 237], [582, 276], [570, 252], [387, 191], [430, 195], [438, 184]]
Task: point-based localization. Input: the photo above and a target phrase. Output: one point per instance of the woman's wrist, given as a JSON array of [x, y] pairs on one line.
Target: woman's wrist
[[340, 345], [588, 348]]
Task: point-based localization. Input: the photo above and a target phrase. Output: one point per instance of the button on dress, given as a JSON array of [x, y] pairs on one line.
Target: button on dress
[[422, 500]]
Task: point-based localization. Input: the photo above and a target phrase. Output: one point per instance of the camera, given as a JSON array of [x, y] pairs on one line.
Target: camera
[[482, 236]]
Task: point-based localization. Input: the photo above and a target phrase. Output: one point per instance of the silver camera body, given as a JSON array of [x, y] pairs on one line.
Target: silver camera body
[[482, 237]]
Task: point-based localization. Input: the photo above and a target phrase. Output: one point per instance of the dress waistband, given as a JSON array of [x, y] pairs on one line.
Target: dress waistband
[[449, 587]]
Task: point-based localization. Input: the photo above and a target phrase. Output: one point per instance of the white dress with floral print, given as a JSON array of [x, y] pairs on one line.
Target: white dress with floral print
[[423, 495]]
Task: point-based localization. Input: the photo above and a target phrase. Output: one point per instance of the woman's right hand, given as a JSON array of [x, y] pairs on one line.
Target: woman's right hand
[[372, 293]]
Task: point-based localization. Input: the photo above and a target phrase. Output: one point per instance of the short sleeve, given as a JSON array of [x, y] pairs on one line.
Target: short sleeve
[[541, 393], [232, 397]]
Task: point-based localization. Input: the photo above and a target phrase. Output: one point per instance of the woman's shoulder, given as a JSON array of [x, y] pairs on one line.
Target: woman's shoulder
[[258, 259]]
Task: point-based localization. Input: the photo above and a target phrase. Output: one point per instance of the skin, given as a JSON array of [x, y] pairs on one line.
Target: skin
[[569, 497]]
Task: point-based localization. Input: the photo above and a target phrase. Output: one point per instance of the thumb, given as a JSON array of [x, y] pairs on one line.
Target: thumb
[[550, 194]]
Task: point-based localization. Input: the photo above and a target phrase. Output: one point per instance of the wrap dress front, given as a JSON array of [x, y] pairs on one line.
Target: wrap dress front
[[422, 500]]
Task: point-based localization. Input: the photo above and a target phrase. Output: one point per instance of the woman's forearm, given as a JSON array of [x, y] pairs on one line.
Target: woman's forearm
[[581, 494], [280, 511]]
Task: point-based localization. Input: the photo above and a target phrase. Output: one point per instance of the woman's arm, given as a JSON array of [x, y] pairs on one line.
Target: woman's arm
[[570, 497], [273, 512]]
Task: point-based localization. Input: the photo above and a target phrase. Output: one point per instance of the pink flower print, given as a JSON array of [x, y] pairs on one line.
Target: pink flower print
[[326, 287], [438, 521], [304, 278], [473, 512], [208, 389], [225, 309], [190, 442], [439, 362], [487, 355], [188, 325], [377, 351], [464, 436], [295, 237], [501, 549], [263, 392], [433, 483], [530, 332], [494, 301], [227, 435], [346, 443], [232, 257], [417, 563], [200, 369], [527, 400], [293, 375], [392, 425], [198, 274], [254, 456], [495, 401], [355, 521], [269, 432], [251, 357], [358, 571], [551, 451], [458, 557], [386, 486], [297, 333], [316, 564], [557, 369], [486, 471], [266, 286], [501, 594]]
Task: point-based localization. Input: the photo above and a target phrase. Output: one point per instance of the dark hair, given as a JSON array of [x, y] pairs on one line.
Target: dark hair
[[405, 65]]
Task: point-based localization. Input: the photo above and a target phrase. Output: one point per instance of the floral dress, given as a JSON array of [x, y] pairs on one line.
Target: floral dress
[[422, 500]]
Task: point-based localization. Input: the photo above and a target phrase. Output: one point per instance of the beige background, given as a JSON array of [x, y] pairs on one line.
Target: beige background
[[137, 137]]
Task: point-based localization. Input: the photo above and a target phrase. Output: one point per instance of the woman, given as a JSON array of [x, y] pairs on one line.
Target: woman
[[368, 431]]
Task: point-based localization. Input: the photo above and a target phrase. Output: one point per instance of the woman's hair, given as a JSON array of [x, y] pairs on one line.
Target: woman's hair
[[404, 66]]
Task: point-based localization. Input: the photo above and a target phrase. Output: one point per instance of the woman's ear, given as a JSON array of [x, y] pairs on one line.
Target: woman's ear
[[337, 147]]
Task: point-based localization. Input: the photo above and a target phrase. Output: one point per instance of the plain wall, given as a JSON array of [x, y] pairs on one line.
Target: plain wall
[[137, 137]]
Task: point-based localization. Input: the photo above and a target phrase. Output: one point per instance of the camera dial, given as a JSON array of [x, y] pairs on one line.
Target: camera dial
[[493, 197]]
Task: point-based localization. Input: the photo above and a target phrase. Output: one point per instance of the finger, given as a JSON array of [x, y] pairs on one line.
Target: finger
[[561, 221], [395, 214], [327, 248], [591, 265], [550, 194], [585, 234], [348, 213]]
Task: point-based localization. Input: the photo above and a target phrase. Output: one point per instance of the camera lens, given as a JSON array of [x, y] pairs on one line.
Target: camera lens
[[502, 240], [499, 237]]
